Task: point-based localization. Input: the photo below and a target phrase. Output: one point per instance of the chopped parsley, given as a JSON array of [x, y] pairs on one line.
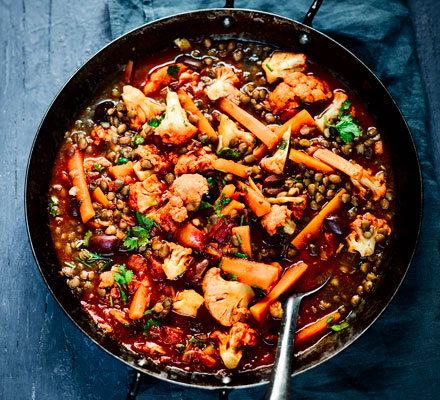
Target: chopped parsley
[[228, 153], [283, 144], [173, 70], [122, 160], [155, 122], [269, 68], [85, 240], [139, 235], [70, 264], [52, 206], [211, 181], [91, 258], [204, 205], [138, 140], [336, 327], [180, 347], [122, 278], [98, 167], [240, 255], [150, 323], [347, 127], [224, 201], [238, 238], [197, 342], [231, 277]]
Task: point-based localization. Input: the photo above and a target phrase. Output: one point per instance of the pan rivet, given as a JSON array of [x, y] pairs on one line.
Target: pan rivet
[[304, 38], [228, 22], [226, 380]]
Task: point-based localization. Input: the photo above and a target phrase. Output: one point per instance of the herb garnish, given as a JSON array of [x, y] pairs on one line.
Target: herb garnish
[[122, 278], [138, 140], [211, 181], [85, 240], [336, 327], [226, 152], [231, 277], [122, 160], [173, 70], [91, 258], [238, 238], [155, 122], [150, 323], [52, 206], [98, 167], [269, 68], [283, 144], [241, 255], [347, 126], [139, 235]]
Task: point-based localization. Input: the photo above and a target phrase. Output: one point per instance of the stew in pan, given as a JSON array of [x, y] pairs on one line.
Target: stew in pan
[[201, 185]]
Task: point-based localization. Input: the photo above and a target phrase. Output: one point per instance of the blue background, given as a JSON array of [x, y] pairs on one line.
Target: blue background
[[43, 356]]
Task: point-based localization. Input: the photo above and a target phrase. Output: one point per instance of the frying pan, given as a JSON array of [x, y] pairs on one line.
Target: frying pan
[[247, 25]]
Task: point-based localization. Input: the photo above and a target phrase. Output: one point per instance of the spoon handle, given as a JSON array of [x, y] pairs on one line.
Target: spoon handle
[[279, 385]]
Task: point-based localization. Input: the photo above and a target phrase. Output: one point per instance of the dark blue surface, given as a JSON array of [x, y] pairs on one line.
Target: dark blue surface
[[43, 356]]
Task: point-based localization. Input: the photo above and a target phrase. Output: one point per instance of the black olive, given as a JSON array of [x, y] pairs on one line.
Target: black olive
[[274, 181], [212, 195], [100, 113], [189, 61], [104, 244], [337, 225], [196, 271]]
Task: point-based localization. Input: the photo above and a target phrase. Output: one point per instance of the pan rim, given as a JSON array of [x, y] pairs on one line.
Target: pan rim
[[305, 28]]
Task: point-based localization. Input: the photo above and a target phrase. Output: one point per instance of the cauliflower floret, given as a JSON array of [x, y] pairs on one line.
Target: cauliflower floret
[[191, 162], [190, 188], [276, 163], [224, 85], [231, 344], [228, 130], [175, 128], [227, 301], [167, 216], [276, 310], [357, 240], [297, 88], [187, 302], [177, 261], [163, 77], [145, 194], [330, 115], [144, 108], [278, 221], [281, 63], [151, 153]]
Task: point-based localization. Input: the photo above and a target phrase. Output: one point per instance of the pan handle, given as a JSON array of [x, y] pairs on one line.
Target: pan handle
[[308, 19]]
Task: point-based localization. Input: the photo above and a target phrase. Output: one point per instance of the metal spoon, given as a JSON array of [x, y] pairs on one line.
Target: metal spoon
[[279, 385]]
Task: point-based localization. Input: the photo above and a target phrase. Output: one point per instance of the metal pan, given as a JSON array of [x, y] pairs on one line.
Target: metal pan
[[247, 25]]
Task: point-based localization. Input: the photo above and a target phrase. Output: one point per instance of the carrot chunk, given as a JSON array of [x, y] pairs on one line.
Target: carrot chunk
[[256, 202], [244, 234], [76, 171], [228, 191], [233, 205], [121, 171], [251, 272], [99, 196], [296, 123], [203, 124], [315, 329], [300, 157], [231, 167], [290, 277], [261, 131], [313, 228], [139, 303]]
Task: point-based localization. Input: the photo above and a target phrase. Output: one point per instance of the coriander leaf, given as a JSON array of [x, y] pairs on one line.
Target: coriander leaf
[[224, 201], [173, 70], [231, 277], [155, 122], [123, 296], [98, 167], [123, 276], [283, 144], [180, 347], [211, 181], [130, 243], [85, 240], [52, 206], [346, 126], [138, 140], [122, 160], [145, 221], [340, 327], [240, 255], [204, 205], [150, 323], [228, 153]]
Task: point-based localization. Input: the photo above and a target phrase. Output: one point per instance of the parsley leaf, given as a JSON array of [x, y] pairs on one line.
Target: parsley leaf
[[98, 167], [240, 255], [347, 126], [122, 160], [155, 122], [180, 347], [150, 323], [139, 235], [138, 140], [173, 70], [52, 206], [224, 201], [85, 240], [145, 221], [283, 144], [336, 327], [228, 153], [204, 205], [123, 276]]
